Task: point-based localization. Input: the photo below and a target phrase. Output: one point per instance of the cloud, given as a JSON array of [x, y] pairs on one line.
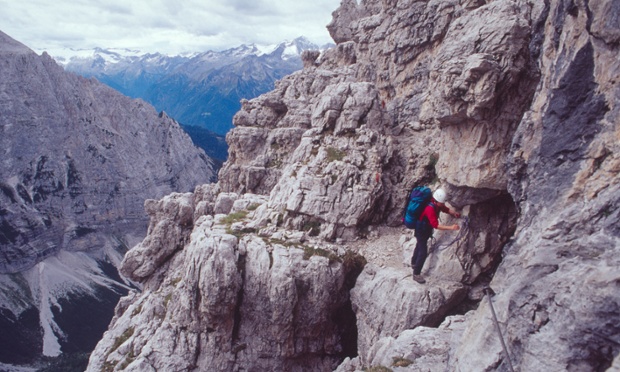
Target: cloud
[[167, 26]]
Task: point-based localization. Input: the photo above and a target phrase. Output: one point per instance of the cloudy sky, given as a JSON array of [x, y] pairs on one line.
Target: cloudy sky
[[167, 26]]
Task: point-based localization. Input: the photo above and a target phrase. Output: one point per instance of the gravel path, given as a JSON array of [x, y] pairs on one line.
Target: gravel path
[[384, 247]]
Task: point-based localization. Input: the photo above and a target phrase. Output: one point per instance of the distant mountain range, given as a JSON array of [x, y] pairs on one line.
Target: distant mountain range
[[202, 90]]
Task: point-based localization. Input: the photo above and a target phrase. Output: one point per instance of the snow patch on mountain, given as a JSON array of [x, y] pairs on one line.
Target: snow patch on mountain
[[64, 56], [11, 368], [110, 56], [58, 277]]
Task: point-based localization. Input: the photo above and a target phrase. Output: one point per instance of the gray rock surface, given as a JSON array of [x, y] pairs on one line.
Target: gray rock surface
[[78, 161], [510, 105], [225, 300], [80, 158]]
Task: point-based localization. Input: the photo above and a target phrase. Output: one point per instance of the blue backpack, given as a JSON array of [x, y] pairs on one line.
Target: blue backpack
[[419, 198]]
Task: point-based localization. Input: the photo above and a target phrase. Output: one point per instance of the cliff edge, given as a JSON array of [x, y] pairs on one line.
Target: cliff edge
[[511, 105]]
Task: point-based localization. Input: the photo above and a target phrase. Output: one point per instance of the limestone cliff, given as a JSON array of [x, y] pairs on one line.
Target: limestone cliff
[[78, 161], [511, 105]]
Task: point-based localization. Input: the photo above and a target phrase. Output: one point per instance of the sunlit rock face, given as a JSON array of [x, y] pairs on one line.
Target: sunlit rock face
[[508, 105], [78, 161], [222, 298]]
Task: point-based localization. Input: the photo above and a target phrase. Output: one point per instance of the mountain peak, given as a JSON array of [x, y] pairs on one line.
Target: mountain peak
[[293, 48], [10, 45]]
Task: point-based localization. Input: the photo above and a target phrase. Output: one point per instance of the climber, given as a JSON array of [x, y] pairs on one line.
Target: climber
[[424, 230]]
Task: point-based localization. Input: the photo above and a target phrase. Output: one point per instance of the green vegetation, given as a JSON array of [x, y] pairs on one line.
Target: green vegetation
[[234, 217], [334, 154], [401, 362], [309, 252], [167, 299], [128, 360], [137, 310], [240, 233], [253, 206], [274, 163], [353, 263], [313, 228], [122, 338], [283, 243]]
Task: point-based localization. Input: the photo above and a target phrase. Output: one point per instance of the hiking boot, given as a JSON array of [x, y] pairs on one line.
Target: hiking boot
[[419, 279]]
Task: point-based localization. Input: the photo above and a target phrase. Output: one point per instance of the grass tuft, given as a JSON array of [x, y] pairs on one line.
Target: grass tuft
[[309, 252], [234, 217], [122, 338], [334, 154], [401, 362]]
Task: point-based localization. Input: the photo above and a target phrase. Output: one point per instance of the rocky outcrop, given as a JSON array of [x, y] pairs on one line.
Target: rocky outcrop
[[510, 106], [79, 159], [228, 298]]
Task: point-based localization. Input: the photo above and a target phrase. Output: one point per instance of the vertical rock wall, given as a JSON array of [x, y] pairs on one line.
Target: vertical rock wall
[[509, 105], [227, 301]]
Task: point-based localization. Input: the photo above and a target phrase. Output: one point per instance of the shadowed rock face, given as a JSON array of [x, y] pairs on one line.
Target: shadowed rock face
[[509, 105], [78, 162]]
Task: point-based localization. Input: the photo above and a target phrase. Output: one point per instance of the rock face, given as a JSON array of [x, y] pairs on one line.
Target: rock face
[[214, 299], [78, 161], [510, 105]]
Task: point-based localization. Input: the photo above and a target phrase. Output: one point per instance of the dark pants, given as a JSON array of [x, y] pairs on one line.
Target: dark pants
[[421, 249]]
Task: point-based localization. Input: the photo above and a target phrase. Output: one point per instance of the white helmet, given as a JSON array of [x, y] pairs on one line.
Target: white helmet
[[440, 195]]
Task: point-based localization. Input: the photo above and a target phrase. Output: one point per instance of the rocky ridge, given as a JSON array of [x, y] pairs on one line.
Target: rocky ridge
[[508, 104], [79, 159]]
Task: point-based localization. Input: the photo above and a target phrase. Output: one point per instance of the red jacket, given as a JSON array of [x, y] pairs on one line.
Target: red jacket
[[431, 213]]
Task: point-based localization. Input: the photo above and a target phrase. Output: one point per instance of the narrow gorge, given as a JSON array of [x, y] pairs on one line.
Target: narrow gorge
[[295, 260]]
